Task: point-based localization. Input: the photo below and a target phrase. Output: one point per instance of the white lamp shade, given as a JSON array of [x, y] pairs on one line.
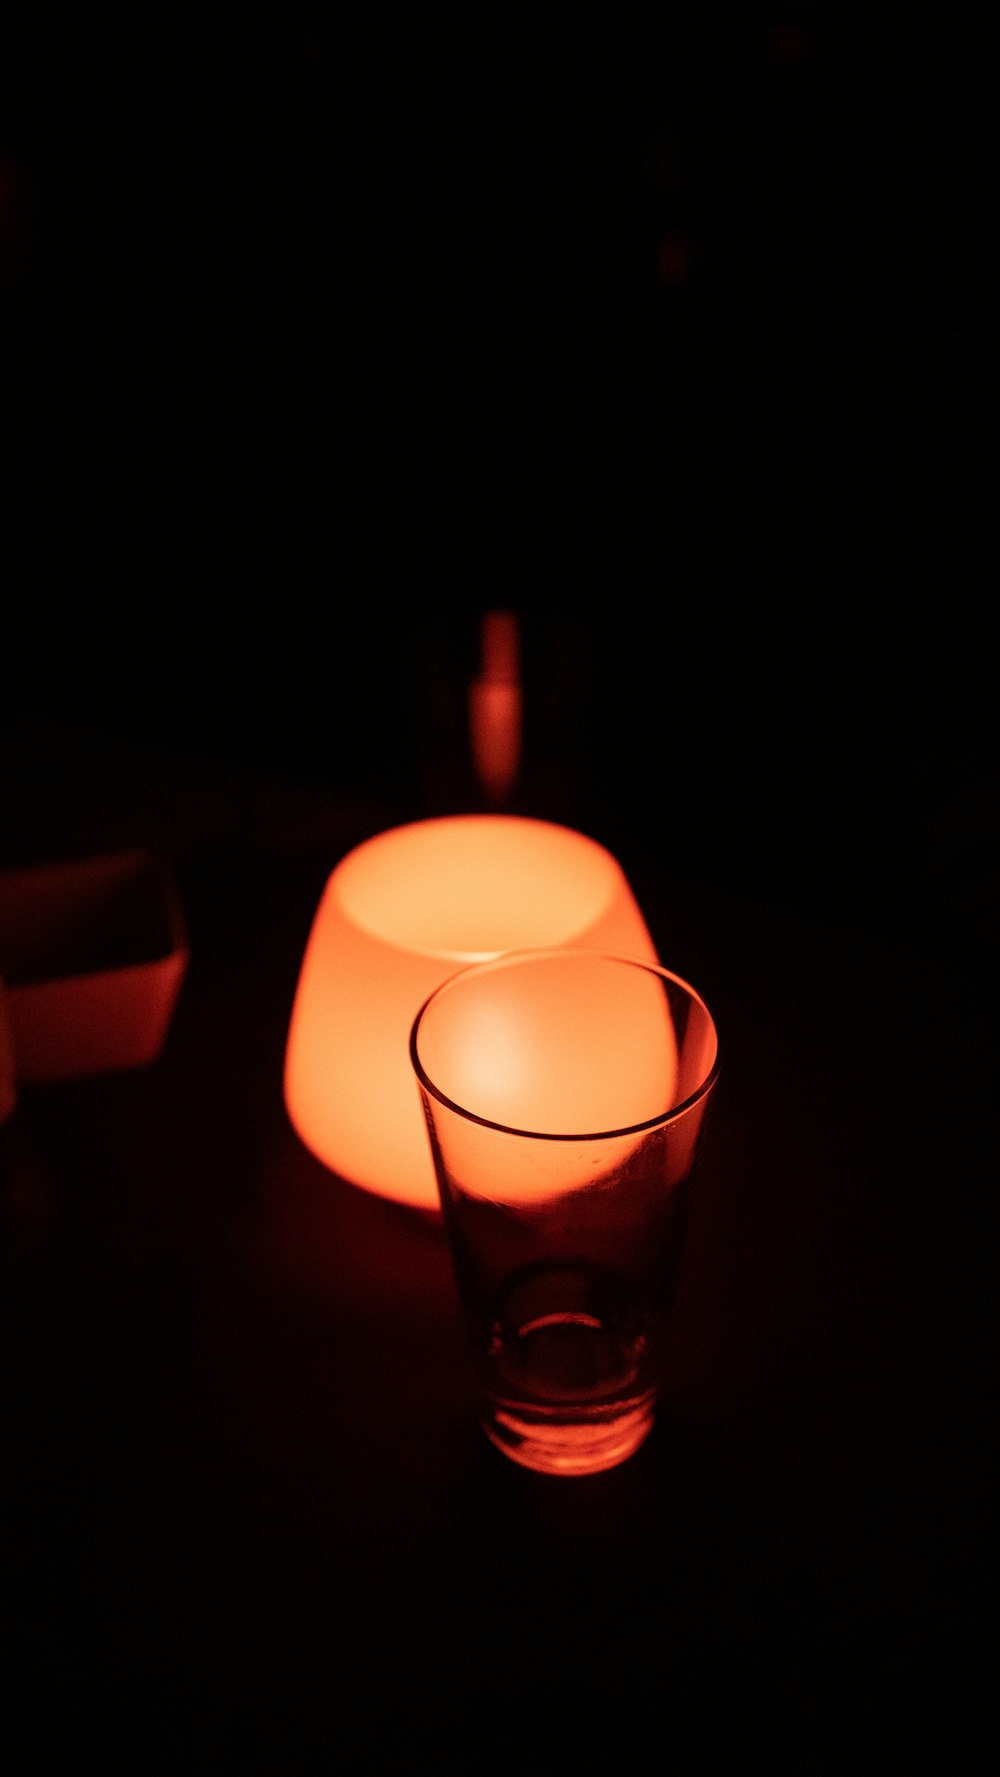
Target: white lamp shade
[[398, 915]]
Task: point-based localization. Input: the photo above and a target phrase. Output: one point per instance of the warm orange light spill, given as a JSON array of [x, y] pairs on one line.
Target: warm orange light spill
[[574, 1056], [580, 1055], [495, 707], [399, 915]]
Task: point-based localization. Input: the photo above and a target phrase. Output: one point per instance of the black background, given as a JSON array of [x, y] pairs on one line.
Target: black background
[[321, 337]]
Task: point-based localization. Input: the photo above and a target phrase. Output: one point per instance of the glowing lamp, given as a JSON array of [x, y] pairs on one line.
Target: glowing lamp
[[399, 914]]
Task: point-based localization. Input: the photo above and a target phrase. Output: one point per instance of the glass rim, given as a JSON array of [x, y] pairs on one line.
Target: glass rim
[[556, 952]]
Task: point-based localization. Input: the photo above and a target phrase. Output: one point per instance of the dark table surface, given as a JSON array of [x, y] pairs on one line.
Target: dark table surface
[[247, 1512]]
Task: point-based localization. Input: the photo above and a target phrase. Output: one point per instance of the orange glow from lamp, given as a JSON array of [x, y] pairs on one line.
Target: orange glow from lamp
[[495, 707], [399, 914]]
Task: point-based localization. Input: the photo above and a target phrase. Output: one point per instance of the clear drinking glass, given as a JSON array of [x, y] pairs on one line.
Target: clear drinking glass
[[565, 1093]]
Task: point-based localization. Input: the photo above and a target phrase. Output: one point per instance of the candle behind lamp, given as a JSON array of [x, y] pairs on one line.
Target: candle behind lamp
[[398, 915]]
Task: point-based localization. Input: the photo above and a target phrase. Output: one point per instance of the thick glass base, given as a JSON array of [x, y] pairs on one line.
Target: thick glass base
[[569, 1391], [557, 1441]]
